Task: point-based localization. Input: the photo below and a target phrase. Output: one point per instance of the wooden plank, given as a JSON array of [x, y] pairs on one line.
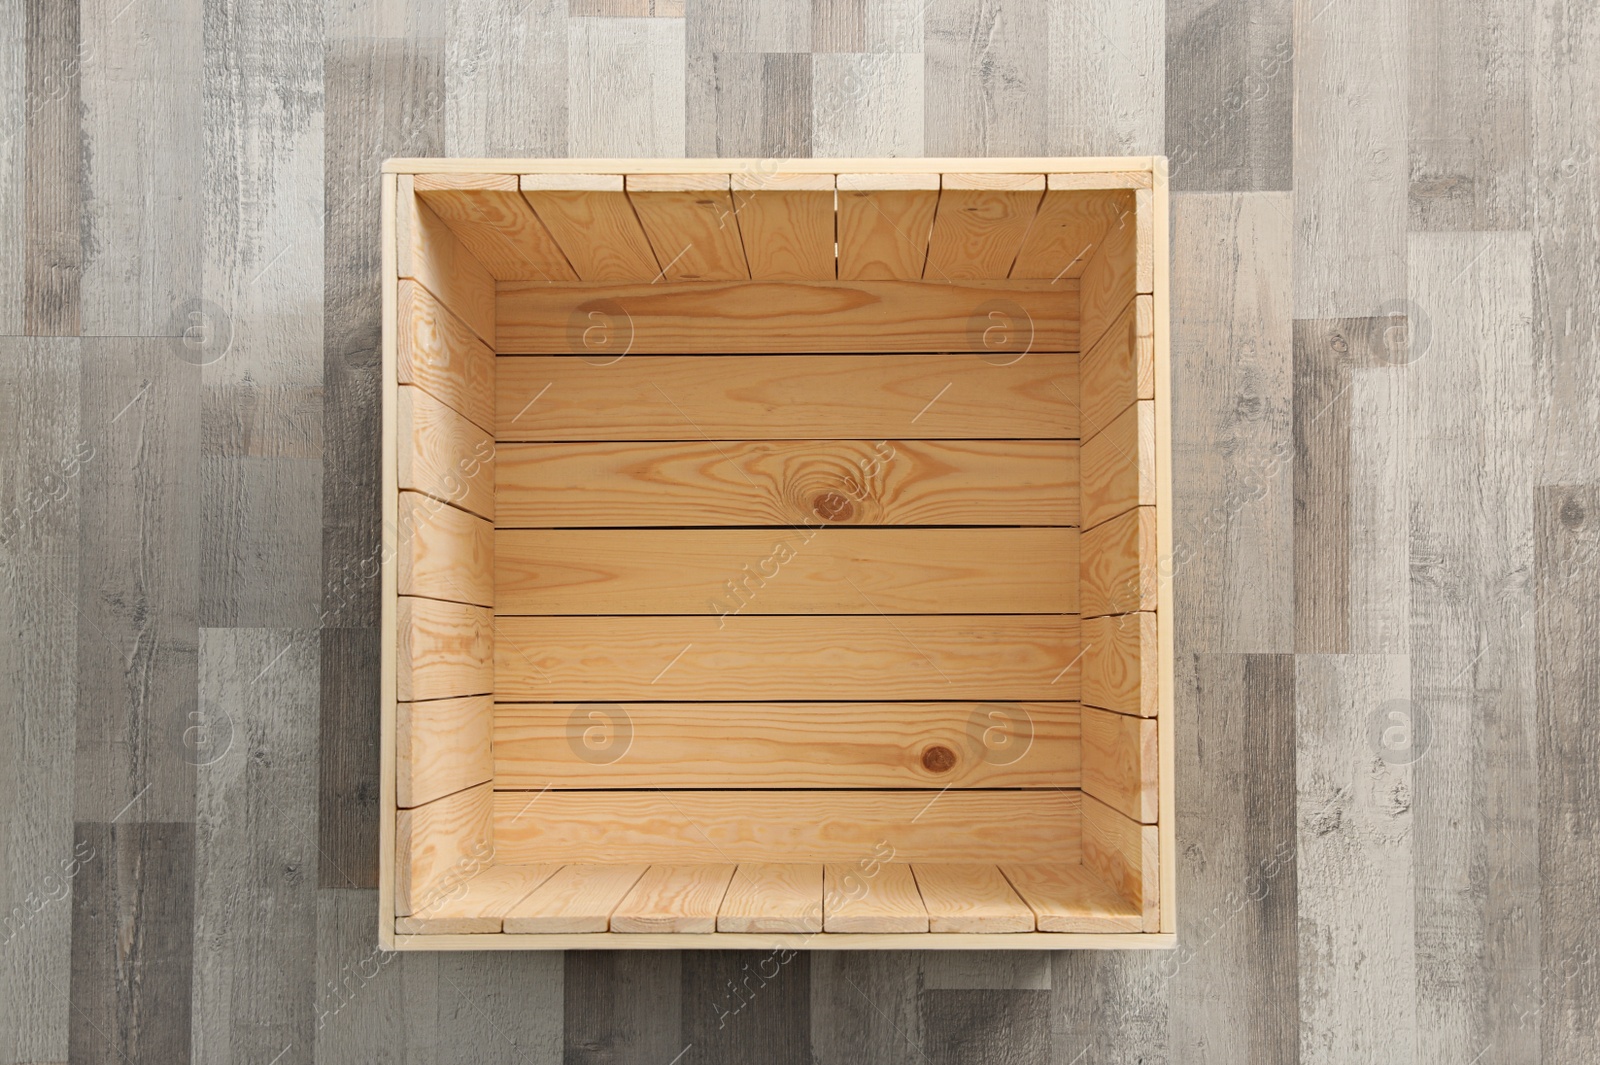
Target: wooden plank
[[578, 898], [1118, 573], [946, 656], [1112, 165], [443, 455], [444, 553], [772, 897], [787, 482], [812, 570], [444, 650], [787, 745], [439, 354], [493, 221], [1122, 266], [1120, 663], [1120, 368], [1100, 181], [788, 826], [442, 746], [1119, 762], [591, 219], [673, 898], [691, 224], [430, 254], [787, 397], [1069, 898], [884, 221], [970, 898], [1122, 853], [786, 225], [480, 904], [778, 317], [440, 846], [1118, 465], [884, 900], [980, 224], [1067, 229]]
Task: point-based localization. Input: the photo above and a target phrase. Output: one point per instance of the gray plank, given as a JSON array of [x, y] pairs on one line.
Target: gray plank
[[762, 104], [13, 168], [372, 1004], [623, 1007], [838, 26], [505, 88], [867, 105], [986, 970], [1109, 1006], [992, 1027], [502, 1007], [989, 63], [636, 59], [53, 261], [742, 1005], [344, 19], [1106, 78], [865, 1007], [347, 758], [733, 26]]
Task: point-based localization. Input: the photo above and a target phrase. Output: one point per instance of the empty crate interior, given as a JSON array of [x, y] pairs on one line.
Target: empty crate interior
[[775, 552]]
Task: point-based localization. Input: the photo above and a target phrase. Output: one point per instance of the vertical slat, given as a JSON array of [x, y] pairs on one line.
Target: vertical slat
[[786, 225], [480, 904], [442, 746], [1122, 853], [489, 216], [673, 898], [1070, 898], [591, 219], [980, 224], [1119, 762], [1070, 223], [429, 253], [970, 898], [884, 221], [691, 223], [440, 846], [579, 898], [772, 898], [868, 897]]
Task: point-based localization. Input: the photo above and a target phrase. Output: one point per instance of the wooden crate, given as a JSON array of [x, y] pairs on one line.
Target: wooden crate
[[772, 554]]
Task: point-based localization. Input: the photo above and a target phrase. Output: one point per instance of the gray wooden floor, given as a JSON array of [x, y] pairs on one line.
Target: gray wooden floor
[[1387, 352]]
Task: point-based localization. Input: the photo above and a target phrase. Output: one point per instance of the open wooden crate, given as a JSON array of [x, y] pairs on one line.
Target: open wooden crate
[[764, 565]]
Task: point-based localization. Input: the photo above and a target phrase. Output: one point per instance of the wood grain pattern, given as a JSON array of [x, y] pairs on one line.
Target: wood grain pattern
[[440, 846], [673, 898], [1123, 853], [691, 223], [809, 570], [786, 745], [578, 898], [444, 650], [1070, 898], [1120, 368], [438, 353], [787, 482], [970, 898], [787, 826], [1123, 266], [591, 219], [432, 255], [1065, 232], [1119, 762], [442, 746], [1118, 465], [980, 224], [1120, 664], [494, 223], [884, 222], [786, 225], [764, 657], [787, 397], [444, 553], [715, 316], [442, 455], [772, 897], [479, 904], [885, 900], [1119, 565]]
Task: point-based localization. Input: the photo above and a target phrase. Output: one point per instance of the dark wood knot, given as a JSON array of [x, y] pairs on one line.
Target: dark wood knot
[[938, 759], [833, 506]]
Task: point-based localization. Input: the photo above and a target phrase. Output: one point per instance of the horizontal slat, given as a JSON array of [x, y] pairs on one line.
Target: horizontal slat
[[435, 351], [1120, 663], [445, 650], [479, 905], [1123, 854], [498, 226], [1118, 568], [970, 898], [882, 900], [444, 553], [786, 745], [1118, 465], [442, 454], [1119, 762], [442, 746], [673, 898], [774, 897], [1120, 368], [578, 898], [441, 846], [788, 397], [782, 658], [783, 316], [787, 826], [815, 570], [1069, 898], [787, 482]]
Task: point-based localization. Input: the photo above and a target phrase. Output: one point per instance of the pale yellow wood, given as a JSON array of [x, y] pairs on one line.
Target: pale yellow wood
[[767, 942], [1120, 368], [787, 745], [442, 746], [884, 221], [703, 179], [691, 223], [806, 570], [443, 455], [1121, 657], [445, 553], [578, 898], [1113, 166], [727, 317], [439, 354], [440, 846], [497, 225], [970, 898], [888, 182], [875, 897], [564, 182], [388, 501], [1162, 374], [772, 897], [786, 225], [761, 657], [1127, 179], [591, 219], [1119, 762], [430, 254], [1123, 853], [980, 224], [1066, 230], [1121, 267], [1118, 463], [444, 650], [480, 904], [787, 397], [788, 826], [1069, 898], [787, 482], [1118, 570], [673, 898], [434, 183]]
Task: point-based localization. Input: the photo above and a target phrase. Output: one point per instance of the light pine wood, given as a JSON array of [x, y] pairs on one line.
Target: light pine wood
[[1121, 663], [1119, 762], [970, 898], [724, 317], [787, 745], [786, 225], [1123, 854], [808, 570], [490, 217], [1118, 465], [787, 482], [578, 898], [1126, 179], [787, 397], [389, 451], [767, 942], [1166, 654], [442, 746], [445, 650], [691, 223], [1119, 567], [1069, 898], [440, 846], [772, 897], [689, 167], [591, 219], [437, 353], [980, 224], [788, 826], [1065, 232], [673, 898], [480, 904], [430, 254], [442, 455], [445, 553], [1120, 368], [1121, 267], [761, 657], [884, 221], [883, 900]]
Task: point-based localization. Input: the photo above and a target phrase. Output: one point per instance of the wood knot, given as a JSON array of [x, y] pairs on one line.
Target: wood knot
[[833, 506], [938, 759]]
